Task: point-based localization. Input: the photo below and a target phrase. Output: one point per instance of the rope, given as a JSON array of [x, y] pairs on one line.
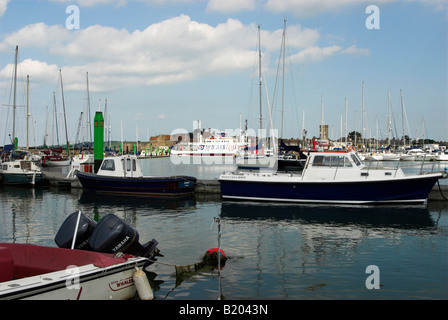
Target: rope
[[440, 189], [182, 270]]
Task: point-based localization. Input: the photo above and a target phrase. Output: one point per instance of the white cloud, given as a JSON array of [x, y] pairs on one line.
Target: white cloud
[[173, 50], [37, 35], [313, 54], [3, 5], [356, 51]]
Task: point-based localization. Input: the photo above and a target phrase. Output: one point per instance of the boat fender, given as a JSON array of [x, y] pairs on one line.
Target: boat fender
[[211, 257], [216, 250], [142, 284]]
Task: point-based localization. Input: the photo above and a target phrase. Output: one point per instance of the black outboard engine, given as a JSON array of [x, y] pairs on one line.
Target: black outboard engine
[[64, 237], [112, 235]]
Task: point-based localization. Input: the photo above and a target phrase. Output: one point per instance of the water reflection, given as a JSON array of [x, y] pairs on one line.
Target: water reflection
[[402, 217], [277, 251], [139, 202]]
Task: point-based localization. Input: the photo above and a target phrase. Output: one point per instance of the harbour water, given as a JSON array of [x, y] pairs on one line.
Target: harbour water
[[275, 251]]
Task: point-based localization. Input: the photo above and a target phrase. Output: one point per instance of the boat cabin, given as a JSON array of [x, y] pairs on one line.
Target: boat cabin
[[343, 165], [334, 159], [126, 166]]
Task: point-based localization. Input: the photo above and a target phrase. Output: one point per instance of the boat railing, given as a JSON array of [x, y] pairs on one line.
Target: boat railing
[[376, 167], [423, 162], [424, 166]]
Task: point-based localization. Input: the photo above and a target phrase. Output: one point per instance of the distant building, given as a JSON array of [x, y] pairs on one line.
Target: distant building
[[323, 129]]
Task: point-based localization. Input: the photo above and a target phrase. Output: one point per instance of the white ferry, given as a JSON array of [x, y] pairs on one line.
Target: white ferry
[[218, 144]]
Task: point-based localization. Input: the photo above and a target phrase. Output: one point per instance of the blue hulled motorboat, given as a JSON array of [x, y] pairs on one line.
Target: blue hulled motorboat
[[123, 174], [330, 177]]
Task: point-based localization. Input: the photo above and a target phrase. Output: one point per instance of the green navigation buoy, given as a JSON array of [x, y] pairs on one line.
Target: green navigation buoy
[[98, 137]]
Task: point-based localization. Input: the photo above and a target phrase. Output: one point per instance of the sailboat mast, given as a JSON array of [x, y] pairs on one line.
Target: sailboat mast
[[346, 133], [14, 99], [27, 107], [423, 132], [362, 114], [322, 119], [55, 115], [303, 129], [388, 119], [402, 116], [65, 118], [283, 72], [88, 108], [259, 74], [106, 121]]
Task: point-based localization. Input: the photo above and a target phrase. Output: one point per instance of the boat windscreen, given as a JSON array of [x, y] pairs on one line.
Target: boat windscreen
[[356, 159]]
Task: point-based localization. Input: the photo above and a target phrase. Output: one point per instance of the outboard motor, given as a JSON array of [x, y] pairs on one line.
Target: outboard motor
[[112, 235], [64, 237]]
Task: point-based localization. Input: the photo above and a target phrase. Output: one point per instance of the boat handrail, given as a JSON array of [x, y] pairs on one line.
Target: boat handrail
[[423, 161], [72, 173], [396, 169], [335, 172]]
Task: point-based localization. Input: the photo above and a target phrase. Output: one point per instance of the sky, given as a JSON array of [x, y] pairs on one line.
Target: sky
[[161, 65]]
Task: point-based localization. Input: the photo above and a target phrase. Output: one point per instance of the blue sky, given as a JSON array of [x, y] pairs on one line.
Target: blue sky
[[162, 64]]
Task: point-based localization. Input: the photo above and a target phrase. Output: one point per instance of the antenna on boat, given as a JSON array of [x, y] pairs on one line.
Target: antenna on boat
[[76, 229]]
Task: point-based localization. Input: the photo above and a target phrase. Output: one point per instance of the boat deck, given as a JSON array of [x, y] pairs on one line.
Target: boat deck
[[31, 260]]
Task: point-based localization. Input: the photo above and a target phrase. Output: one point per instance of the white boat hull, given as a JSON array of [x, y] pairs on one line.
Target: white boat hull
[[94, 283]]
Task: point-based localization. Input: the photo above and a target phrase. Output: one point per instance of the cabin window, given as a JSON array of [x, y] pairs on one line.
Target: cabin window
[[356, 159], [5, 167], [318, 161], [134, 165], [108, 165], [128, 164], [331, 161]]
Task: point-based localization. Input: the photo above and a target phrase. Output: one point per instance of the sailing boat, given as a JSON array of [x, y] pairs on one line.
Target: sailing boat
[[85, 156], [290, 157], [389, 155], [259, 159], [54, 157], [16, 166]]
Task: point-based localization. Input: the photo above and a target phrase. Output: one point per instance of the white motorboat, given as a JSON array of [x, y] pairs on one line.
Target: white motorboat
[[412, 154], [374, 156], [441, 155], [100, 266], [389, 156], [19, 169], [83, 158]]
